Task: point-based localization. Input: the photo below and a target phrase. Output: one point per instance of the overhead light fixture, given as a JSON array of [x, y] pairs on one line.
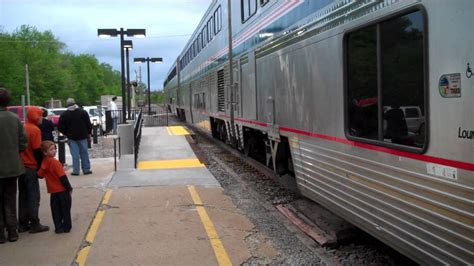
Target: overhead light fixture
[[107, 33], [138, 33], [127, 44]]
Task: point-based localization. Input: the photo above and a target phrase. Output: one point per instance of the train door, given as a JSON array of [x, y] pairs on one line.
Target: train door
[[266, 107], [265, 92], [248, 104]]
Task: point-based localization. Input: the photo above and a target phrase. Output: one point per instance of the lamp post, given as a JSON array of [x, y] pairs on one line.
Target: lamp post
[[105, 33], [127, 46], [156, 60]]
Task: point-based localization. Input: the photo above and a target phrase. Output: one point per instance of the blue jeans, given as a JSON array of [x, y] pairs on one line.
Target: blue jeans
[[78, 149], [114, 125], [28, 197]]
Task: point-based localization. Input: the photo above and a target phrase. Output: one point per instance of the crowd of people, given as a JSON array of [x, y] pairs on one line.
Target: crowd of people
[[27, 154]]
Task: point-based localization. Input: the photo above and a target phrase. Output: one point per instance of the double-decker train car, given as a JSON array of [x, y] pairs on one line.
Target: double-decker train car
[[366, 104]]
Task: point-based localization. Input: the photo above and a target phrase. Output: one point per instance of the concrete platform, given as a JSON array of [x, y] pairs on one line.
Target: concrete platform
[[49, 248], [158, 144], [166, 177], [161, 226], [163, 216], [165, 158]]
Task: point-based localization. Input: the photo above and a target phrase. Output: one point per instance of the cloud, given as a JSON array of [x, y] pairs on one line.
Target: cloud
[[168, 23]]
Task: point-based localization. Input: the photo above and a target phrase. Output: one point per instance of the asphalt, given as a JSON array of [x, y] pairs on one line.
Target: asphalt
[[161, 216]]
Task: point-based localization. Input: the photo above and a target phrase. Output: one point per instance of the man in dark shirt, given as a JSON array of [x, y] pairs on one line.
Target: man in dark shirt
[[47, 128], [76, 125]]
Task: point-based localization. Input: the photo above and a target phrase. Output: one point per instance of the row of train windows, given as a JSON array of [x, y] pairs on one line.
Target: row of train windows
[[248, 8], [209, 30], [214, 26], [386, 82]]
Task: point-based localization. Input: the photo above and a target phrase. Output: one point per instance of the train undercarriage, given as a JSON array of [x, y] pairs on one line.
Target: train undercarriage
[[256, 144]]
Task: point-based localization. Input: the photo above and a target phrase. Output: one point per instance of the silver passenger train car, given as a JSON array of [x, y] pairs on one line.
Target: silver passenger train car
[[366, 104]]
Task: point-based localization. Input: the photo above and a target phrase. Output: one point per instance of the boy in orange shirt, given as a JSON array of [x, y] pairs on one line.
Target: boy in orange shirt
[[58, 186]]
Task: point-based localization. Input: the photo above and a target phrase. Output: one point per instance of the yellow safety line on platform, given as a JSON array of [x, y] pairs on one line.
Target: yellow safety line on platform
[[216, 243], [169, 164], [177, 131], [84, 252]]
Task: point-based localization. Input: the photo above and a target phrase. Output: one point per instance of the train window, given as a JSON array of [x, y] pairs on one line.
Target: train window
[[248, 9], [199, 43], [217, 20], [210, 26], [204, 36], [386, 81], [264, 2]]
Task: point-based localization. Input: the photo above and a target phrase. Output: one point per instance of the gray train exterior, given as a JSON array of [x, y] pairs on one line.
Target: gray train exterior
[[318, 77]]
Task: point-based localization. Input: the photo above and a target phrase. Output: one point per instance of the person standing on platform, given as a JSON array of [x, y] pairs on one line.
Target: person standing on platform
[[114, 114], [76, 125], [29, 197], [47, 128], [12, 142], [58, 186]]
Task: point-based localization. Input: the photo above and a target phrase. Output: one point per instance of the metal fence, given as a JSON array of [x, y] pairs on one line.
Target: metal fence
[[156, 116]]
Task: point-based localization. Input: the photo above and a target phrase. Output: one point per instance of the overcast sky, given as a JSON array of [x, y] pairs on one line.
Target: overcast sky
[[168, 24]]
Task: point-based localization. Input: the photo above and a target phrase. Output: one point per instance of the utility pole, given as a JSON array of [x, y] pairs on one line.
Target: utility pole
[[27, 85]]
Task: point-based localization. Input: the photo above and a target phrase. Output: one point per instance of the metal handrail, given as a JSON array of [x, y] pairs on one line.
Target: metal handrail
[[115, 152], [137, 135]]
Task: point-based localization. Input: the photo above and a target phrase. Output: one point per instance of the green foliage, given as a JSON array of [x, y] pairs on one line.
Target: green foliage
[[52, 72], [157, 97]]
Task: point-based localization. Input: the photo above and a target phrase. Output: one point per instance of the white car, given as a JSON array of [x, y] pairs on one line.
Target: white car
[[96, 115], [413, 116], [58, 111]]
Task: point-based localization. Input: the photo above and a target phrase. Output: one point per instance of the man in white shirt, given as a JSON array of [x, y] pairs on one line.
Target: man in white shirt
[[114, 114]]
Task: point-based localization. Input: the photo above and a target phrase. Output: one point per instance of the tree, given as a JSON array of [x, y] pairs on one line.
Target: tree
[[52, 72]]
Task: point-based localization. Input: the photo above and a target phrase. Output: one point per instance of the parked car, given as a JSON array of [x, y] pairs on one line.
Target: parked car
[[413, 116], [18, 109], [96, 116], [58, 111]]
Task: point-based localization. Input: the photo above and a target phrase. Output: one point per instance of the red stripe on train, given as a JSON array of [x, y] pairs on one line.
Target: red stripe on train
[[424, 158]]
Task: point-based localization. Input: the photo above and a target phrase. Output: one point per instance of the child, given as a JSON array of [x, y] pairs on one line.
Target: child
[[58, 186]]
